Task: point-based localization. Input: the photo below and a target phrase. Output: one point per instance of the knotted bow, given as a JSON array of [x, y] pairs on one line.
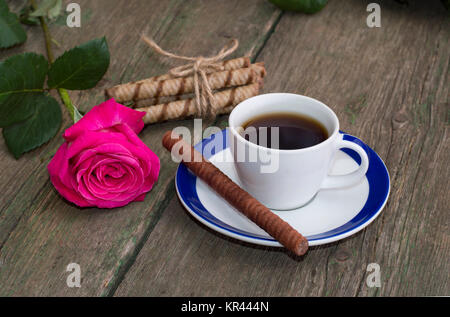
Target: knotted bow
[[199, 67]]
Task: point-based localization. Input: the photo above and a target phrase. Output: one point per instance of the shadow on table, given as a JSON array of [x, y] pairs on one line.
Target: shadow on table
[[293, 256]]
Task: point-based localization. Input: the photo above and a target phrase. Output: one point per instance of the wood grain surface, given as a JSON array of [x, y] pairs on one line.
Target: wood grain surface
[[389, 86]]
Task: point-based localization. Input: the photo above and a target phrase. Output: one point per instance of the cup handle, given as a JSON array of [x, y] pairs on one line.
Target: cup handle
[[339, 181]]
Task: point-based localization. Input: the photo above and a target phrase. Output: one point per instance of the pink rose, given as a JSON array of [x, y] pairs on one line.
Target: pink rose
[[103, 162]]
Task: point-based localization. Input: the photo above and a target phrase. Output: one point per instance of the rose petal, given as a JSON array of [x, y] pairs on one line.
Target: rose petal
[[104, 116], [150, 160], [58, 164]]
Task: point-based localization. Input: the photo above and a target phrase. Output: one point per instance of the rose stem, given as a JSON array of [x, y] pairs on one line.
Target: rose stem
[[73, 111]]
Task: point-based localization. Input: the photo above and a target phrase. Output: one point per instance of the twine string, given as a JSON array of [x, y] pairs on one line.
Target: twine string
[[198, 67]]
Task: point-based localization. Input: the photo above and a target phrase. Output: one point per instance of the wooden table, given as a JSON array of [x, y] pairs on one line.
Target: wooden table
[[389, 86]]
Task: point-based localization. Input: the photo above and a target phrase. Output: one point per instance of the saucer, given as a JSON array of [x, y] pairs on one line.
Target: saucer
[[332, 215]]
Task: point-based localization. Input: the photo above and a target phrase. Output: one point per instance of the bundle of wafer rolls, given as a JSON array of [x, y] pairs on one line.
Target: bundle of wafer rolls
[[235, 195], [166, 97]]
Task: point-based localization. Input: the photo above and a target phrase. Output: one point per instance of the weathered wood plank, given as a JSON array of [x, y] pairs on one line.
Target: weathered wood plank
[[42, 233], [389, 86]]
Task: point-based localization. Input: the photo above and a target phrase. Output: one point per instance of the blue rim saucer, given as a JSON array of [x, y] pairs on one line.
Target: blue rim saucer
[[378, 191]]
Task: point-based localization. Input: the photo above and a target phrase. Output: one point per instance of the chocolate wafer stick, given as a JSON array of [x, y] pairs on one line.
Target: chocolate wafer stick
[[225, 101], [217, 80], [236, 196], [235, 63], [160, 100], [178, 86], [123, 89]]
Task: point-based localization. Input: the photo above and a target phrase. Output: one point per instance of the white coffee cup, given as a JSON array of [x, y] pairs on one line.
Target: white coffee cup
[[288, 179]]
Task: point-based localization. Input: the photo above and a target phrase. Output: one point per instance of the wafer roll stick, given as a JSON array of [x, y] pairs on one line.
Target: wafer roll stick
[[160, 100], [230, 64], [170, 89], [121, 92], [179, 86], [236, 196], [233, 78], [225, 101]]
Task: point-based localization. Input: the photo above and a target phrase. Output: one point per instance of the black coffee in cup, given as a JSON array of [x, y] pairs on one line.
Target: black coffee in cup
[[295, 131]]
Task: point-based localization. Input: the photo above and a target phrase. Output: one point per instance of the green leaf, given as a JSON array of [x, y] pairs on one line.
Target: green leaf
[[48, 8], [305, 6], [22, 77], [11, 32], [37, 129], [16, 108], [81, 67]]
